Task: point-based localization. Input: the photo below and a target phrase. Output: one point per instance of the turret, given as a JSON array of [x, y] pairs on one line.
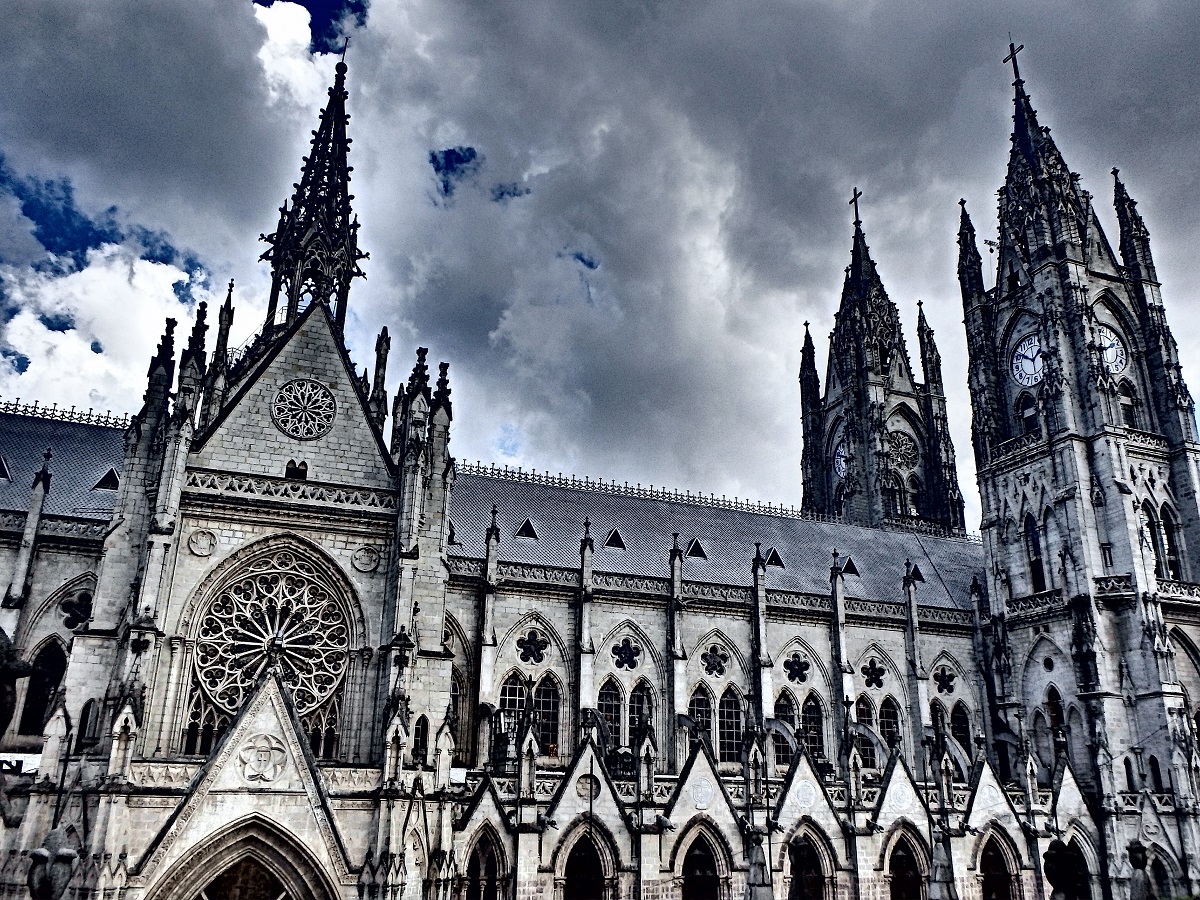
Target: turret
[[378, 401], [314, 251], [215, 378], [812, 457]]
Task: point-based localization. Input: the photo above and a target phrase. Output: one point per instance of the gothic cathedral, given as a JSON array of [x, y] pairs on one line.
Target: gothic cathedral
[[267, 638]]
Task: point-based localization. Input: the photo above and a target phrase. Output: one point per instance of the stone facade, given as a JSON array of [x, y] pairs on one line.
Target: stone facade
[[282, 647]]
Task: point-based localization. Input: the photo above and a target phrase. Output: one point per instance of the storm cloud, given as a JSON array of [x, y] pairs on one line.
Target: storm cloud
[[612, 219]]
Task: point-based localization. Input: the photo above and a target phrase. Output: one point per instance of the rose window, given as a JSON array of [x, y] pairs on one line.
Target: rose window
[[280, 614], [904, 449], [303, 409]]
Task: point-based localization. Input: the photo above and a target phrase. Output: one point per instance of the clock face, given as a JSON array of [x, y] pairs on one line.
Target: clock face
[[1028, 367], [840, 456], [1112, 351]]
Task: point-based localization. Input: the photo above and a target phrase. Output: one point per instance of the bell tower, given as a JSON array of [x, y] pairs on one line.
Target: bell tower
[[877, 448], [1085, 445]]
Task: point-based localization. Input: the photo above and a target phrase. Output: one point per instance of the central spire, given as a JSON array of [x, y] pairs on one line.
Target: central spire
[[314, 251]]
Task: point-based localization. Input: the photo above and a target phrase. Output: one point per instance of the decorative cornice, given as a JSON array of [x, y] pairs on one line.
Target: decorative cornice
[[288, 490]]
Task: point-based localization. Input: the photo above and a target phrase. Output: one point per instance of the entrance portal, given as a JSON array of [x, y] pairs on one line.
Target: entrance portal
[[247, 880], [585, 875], [700, 879], [808, 881], [906, 875], [997, 880]]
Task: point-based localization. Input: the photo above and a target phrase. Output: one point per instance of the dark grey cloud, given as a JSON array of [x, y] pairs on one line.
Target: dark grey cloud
[[657, 199]]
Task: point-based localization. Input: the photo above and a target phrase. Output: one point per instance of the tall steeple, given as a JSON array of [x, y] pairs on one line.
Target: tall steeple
[[314, 251], [876, 446]]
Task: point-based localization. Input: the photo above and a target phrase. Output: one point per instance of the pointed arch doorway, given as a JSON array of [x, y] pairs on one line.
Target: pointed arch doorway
[[246, 880], [701, 880], [584, 872]]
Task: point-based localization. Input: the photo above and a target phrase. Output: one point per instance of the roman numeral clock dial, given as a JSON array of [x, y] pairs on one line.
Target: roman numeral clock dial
[[1028, 366]]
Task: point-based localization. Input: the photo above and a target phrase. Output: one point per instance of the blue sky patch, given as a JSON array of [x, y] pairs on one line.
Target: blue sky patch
[[97, 347], [19, 361], [58, 322], [509, 441], [452, 165], [584, 260], [325, 21], [508, 190]]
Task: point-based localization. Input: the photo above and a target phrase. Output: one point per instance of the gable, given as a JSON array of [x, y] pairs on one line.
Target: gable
[[302, 406]]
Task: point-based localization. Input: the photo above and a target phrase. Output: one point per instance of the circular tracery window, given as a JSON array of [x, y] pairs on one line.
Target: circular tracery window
[[904, 449], [281, 613], [303, 409]]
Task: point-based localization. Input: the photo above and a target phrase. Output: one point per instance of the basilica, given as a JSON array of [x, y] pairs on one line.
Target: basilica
[[267, 638]]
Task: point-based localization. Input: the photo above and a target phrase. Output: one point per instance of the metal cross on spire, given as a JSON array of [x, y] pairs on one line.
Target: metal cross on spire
[[854, 202], [1012, 57]]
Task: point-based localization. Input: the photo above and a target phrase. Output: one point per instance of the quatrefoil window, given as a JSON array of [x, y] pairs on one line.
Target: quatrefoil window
[[945, 680], [533, 646], [797, 668], [76, 609], [874, 673], [303, 409], [626, 654], [715, 659]]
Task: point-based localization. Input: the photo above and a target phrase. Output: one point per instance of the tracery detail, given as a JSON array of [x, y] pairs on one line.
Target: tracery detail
[[626, 653], [303, 409], [715, 659], [280, 613]]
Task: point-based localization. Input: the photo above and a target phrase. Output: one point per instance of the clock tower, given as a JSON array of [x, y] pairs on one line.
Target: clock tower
[[1085, 445], [877, 447]]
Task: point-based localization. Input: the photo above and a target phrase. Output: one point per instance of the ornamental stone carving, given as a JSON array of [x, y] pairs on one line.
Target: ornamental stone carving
[[263, 757], [303, 409], [202, 542], [280, 612]]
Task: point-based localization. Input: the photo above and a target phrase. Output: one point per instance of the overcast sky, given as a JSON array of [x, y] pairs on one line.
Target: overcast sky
[[656, 201]]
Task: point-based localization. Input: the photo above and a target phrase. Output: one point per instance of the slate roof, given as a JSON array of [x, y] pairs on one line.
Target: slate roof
[[82, 455], [646, 524]]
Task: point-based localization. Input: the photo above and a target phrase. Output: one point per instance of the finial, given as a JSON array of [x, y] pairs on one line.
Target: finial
[[587, 526], [47, 456], [962, 201], [854, 202], [1012, 57], [441, 397], [345, 47], [196, 339]]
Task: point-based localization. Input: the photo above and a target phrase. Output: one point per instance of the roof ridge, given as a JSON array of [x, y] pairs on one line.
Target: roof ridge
[[674, 495], [79, 417]]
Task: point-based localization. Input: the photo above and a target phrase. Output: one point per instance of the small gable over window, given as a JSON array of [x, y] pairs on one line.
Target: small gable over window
[[695, 550], [110, 482], [4, 473], [614, 540], [297, 471], [527, 531], [774, 560]]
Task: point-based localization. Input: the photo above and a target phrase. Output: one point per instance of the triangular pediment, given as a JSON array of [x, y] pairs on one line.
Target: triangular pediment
[[1068, 798], [587, 789], [700, 792], [264, 753], [303, 404], [899, 797], [804, 799], [989, 802]]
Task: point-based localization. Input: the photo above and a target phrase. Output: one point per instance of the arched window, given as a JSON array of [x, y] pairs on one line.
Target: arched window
[[608, 703], [808, 876], [1162, 880], [89, 727], [513, 694], [1170, 532], [812, 726], [461, 713], [1128, 404], [1027, 415], [729, 713], [584, 872], [546, 704], [1156, 779], [1054, 708], [865, 715], [420, 741], [937, 715], [785, 711], [1033, 547], [893, 496], [916, 497], [960, 726], [296, 471], [700, 879], [700, 708], [889, 722], [839, 500], [1152, 537], [641, 710], [48, 668]]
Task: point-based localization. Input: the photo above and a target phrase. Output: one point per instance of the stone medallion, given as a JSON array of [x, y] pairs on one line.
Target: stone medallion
[[263, 757], [202, 542], [365, 559], [702, 793]]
